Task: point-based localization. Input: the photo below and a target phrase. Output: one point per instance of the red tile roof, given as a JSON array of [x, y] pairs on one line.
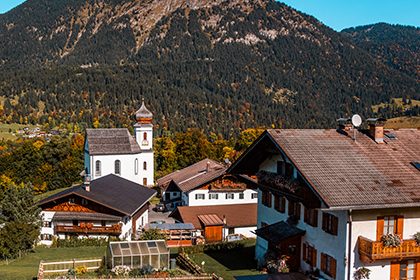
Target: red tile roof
[[236, 215], [356, 173]]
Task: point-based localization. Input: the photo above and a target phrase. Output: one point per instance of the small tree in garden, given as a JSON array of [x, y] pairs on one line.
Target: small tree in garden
[[153, 234]]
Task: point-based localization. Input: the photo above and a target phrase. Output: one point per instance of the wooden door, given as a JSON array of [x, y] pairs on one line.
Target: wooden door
[[291, 248], [213, 233]]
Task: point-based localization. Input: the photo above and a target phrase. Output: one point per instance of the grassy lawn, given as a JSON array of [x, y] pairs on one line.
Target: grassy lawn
[[27, 267], [4, 130], [47, 194], [403, 122], [234, 263]]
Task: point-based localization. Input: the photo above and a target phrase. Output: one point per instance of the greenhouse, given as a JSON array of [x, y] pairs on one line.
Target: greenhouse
[[138, 254]]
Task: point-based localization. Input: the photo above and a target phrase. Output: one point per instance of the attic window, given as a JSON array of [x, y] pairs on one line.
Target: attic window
[[390, 135], [416, 164]]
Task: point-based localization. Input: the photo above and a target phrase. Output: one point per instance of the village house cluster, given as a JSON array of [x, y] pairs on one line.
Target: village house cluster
[[334, 201]]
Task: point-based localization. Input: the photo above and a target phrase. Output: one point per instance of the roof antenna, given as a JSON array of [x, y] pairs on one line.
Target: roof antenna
[[356, 121]]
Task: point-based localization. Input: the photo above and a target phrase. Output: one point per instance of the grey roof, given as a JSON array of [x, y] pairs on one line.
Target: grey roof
[[111, 141], [194, 175], [170, 226], [359, 174], [278, 232], [111, 191]]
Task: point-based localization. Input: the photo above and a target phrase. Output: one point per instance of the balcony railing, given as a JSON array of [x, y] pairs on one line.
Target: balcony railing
[[89, 229], [370, 251]]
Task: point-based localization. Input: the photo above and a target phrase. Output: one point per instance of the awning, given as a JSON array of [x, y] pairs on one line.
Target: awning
[[278, 232], [210, 220]]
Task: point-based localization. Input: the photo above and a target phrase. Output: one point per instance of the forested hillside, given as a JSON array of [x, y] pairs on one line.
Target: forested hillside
[[395, 45], [218, 65]]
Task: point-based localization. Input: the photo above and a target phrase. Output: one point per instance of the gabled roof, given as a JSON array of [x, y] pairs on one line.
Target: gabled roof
[[111, 141], [236, 215], [112, 192], [194, 175], [345, 173]]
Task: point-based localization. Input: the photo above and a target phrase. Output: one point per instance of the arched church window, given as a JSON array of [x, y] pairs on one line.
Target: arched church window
[[117, 167], [136, 166], [145, 142], [144, 165], [98, 168]]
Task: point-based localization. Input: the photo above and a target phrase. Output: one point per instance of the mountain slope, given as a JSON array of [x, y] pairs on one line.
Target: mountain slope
[[219, 65], [395, 45]]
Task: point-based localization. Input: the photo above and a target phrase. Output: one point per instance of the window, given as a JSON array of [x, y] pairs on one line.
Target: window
[[71, 200], [408, 270], [288, 172], [328, 265], [389, 225], [144, 165], [241, 196], [330, 223], [254, 196], [266, 198], [280, 165], [213, 196], [136, 166], [279, 203], [231, 231], [103, 223], [144, 181], [117, 167], [294, 209], [199, 196], [98, 168], [46, 237], [230, 196], [309, 254], [311, 217], [145, 142], [46, 224], [84, 201]]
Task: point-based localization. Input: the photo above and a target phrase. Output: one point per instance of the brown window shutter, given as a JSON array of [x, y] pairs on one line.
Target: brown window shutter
[[395, 271], [306, 215], [333, 268], [314, 257], [298, 210], [315, 224], [418, 270], [323, 261], [270, 199], [283, 205], [324, 221], [305, 252], [379, 228], [334, 225], [400, 225], [290, 208]]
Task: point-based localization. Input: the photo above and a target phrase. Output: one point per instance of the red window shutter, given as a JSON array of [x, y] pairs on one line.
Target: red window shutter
[[379, 228], [400, 225], [323, 261], [305, 252], [395, 270], [314, 253], [333, 271]]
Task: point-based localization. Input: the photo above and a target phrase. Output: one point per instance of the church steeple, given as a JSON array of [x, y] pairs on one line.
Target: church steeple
[[143, 115]]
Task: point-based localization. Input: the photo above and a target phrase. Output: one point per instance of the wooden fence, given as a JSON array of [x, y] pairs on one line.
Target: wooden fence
[[60, 267]]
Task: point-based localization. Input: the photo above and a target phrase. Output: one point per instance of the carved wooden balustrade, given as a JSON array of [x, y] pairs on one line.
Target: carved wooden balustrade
[[370, 251], [89, 229]]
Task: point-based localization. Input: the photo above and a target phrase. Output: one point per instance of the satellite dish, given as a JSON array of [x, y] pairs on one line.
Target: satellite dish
[[356, 120]]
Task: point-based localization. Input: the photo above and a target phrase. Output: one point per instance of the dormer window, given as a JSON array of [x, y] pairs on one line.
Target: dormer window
[[117, 167]]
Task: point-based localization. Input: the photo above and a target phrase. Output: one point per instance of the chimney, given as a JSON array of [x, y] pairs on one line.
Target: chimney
[[344, 124], [376, 129], [208, 166], [86, 183]]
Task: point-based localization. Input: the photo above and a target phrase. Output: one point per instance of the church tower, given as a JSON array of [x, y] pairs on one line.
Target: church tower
[[143, 132]]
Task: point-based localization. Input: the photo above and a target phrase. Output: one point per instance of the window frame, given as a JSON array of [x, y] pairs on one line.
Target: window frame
[[117, 167], [254, 196], [330, 223], [311, 216], [216, 195], [144, 165], [279, 203], [200, 196], [98, 168], [328, 265], [241, 196], [229, 196], [266, 198], [136, 166], [294, 209], [309, 255]]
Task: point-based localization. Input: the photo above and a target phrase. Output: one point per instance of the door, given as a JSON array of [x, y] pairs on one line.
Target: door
[[291, 247], [213, 233]]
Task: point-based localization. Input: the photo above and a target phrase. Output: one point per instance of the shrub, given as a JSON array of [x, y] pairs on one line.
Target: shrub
[[391, 240], [80, 270], [81, 242], [417, 238], [361, 273], [212, 247], [121, 270]]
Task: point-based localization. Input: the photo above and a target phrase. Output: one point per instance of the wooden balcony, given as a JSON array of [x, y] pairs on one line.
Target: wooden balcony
[[370, 251], [89, 229]]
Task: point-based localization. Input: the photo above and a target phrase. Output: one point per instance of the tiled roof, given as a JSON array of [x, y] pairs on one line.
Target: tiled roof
[[111, 191], [111, 141], [194, 175], [236, 215], [348, 173]]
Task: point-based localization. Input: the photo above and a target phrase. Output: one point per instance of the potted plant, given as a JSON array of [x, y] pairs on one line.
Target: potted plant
[[417, 238], [361, 273], [391, 240]]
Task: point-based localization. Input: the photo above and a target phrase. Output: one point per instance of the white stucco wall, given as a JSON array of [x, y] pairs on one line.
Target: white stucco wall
[[245, 231], [47, 216], [192, 201]]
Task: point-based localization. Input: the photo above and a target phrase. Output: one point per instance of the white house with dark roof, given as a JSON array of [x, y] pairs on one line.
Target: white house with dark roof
[[329, 199], [116, 151], [206, 183], [107, 206]]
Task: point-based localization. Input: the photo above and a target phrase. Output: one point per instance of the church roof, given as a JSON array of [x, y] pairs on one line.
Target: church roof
[[111, 191], [111, 141]]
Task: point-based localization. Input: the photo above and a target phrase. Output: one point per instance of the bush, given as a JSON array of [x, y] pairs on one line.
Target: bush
[[417, 238], [212, 247], [80, 270], [81, 242], [121, 270]]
